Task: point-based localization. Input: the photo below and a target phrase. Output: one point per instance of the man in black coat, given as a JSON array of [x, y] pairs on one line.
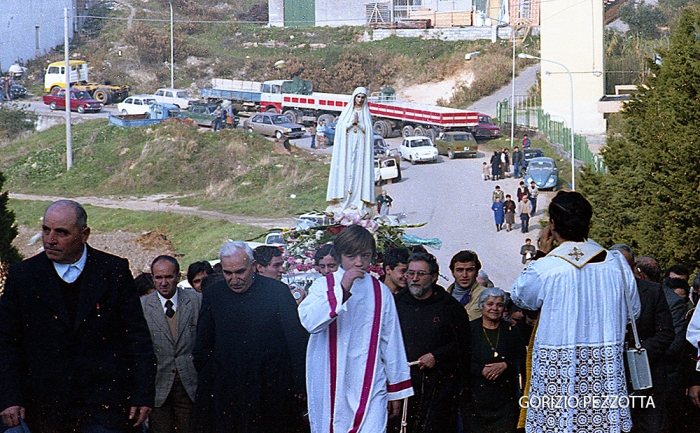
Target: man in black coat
[[75, 352], [656, 334], [436, 334]]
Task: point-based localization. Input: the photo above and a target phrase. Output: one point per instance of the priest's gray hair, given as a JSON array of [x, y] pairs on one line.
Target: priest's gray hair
[[231, 247], [491, 292], [623, 247]]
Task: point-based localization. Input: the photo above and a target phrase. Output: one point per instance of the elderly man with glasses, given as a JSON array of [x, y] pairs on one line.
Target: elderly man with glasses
[[436, 334]]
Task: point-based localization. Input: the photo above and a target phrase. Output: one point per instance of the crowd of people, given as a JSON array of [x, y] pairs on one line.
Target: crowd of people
[[86, 348], [505, 208]]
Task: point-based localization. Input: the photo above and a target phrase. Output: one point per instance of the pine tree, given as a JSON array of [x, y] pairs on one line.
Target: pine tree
[[8, 231], [650, 198]]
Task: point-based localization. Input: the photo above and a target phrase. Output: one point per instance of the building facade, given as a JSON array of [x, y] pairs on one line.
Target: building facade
[[32, 27]]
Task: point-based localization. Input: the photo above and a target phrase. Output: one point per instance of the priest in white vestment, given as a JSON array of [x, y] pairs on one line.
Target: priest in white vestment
[[355, 360], [578, 376], [351, 179]]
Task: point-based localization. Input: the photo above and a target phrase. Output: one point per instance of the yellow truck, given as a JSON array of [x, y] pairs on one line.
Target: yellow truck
[[106, 93]]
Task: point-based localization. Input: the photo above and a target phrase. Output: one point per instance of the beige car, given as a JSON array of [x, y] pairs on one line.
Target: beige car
[[274, 125]]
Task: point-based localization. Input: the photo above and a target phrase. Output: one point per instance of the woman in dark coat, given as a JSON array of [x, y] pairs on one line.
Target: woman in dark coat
[[495, 166], [498, 356]]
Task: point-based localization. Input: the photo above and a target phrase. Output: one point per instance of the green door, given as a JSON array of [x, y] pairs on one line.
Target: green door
[[299, 13]]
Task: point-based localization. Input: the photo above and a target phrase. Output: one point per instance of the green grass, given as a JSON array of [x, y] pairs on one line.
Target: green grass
[[193, 237], [231, 171]]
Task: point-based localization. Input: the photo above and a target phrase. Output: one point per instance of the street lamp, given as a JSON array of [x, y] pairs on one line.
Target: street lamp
[[512, 83], [172, 50], [571, 97]]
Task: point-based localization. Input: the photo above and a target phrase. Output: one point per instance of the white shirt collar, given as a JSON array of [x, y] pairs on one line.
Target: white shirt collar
[[63, 268], [163, 300]]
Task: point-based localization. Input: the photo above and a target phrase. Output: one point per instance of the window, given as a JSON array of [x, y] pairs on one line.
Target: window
[[37, 37], [136, 102], [53, 70], [267, 121], [168, 94], [159, 93]]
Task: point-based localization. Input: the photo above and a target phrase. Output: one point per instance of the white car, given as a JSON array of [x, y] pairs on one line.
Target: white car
[[418, 149], [177, 97], [137, 104], [386, 170]]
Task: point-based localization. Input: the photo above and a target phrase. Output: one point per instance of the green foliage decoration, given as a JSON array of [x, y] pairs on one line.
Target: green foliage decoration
[[8, 231], [650, 199]]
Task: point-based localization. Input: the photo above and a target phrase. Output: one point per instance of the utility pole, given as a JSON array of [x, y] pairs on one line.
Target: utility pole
[[69, 132]]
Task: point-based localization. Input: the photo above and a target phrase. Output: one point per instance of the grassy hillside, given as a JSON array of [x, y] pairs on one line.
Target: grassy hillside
[[231, 171]]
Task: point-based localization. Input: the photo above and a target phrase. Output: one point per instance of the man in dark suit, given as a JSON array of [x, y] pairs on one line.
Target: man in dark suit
[[172, 316], [75, 353], [655, 330]]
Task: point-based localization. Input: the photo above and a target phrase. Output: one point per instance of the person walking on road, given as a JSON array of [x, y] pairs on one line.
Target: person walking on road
[[517, 160], [498, 216], [321, 135], [216, 124], [509, 211], [384, 203], [497, 194], [495, 165], [525, 214], [534, 192], [312, 131]]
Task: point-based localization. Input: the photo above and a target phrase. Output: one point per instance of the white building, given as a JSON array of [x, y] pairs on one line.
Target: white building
[[31, 27], [335, 13], [572, 34]]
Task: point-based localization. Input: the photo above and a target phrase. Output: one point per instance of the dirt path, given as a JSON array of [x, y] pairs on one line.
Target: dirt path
[[429, 93], [158, 203]]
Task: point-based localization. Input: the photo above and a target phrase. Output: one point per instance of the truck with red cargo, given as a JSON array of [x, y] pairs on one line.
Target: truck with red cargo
[[297, 100]]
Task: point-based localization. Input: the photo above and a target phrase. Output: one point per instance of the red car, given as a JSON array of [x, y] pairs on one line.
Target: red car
[[80, 101]]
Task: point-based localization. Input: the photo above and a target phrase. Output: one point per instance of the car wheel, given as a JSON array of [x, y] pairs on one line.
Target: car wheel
[[450, 154], [413, 161], [81, 109], [250, 129], [124, 112], [52, 106], [278, 135]]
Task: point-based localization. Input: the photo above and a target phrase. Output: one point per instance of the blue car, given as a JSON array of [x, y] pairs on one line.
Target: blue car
[[543, 171], [330, 133]]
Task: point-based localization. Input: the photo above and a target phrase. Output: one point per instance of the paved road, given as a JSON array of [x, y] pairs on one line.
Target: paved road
[[523, 82]]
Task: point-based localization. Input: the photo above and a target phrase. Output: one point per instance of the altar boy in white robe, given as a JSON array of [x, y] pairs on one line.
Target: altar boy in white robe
[[356, 361], [578, 375]]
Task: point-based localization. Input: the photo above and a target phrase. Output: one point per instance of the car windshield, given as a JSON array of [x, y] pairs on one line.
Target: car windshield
[[462, 137], [81, 95], [421, 143], [541, 165], [536, 153], [279, 119]]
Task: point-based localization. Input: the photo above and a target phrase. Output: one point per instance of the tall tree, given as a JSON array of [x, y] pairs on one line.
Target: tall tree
[[650, 197], [8, 231]]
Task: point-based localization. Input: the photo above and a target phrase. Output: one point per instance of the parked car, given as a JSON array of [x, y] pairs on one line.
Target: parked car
[[457, 143], [276, 125], [543, 171], [486, 129], [157, 113], [529, 154], [17, 91], [329, 133], [80, 101], [418, 149], [386, 169], [137, 104], [203, 114], [178, 97]]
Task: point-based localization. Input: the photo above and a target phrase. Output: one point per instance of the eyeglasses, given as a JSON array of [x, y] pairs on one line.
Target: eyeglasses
[[420, 274]]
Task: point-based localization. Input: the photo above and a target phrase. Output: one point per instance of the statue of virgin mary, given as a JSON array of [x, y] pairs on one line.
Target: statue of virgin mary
[[351, 179]]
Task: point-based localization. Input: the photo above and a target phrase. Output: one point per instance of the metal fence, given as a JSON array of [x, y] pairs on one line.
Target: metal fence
[[533, 118]]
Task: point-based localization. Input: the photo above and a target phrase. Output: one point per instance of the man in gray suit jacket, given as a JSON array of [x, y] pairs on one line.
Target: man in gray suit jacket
[[172, 316]]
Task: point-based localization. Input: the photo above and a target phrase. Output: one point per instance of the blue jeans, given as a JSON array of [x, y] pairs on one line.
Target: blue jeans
[[313, 142], [525, 220], [533, 202], [216, 124], [516, 169]]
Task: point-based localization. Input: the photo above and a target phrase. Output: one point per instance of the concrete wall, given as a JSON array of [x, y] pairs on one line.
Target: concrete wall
[[336, 13], [18, 33], [275, 11], [445, 34], [572, 34]]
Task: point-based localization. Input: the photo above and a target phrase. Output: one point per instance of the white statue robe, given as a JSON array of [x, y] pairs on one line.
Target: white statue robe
[[577, 358], [355, 360], [351, 178]]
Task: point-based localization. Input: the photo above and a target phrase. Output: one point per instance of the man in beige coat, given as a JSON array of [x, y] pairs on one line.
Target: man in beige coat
[[172, 316]]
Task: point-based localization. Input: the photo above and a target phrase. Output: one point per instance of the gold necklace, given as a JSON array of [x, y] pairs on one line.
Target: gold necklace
[[493, 346]]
